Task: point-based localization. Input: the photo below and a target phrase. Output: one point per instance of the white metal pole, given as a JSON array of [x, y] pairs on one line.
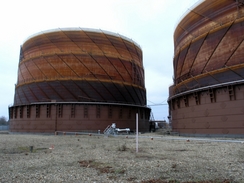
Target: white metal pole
[[137, 132]]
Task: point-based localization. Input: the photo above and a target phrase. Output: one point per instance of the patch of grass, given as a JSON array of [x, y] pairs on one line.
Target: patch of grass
[[40, 149], [23, 149], [144, 156], [241, 153], [120, 171]]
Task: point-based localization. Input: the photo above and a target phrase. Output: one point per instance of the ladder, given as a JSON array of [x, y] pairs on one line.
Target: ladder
[[109, 130]]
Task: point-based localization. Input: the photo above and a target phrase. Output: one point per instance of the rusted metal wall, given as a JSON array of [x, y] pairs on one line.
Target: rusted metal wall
[[80, 65], [216, 114], [71, 67], [47, 118], [209, 43]]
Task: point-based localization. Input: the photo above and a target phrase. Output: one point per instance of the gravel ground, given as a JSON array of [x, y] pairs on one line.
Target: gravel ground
[[103, 159]]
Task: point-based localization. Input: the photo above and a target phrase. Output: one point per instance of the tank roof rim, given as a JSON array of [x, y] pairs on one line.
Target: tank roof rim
[[86, 103], [81, 29], [185, 13]]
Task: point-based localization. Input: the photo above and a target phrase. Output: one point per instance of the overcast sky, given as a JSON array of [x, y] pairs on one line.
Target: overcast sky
[[150, 23]]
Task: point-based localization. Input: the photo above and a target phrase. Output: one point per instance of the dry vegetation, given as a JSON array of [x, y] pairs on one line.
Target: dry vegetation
[[102, 159]]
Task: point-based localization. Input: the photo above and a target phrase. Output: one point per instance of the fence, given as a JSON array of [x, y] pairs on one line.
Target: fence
[[4, 127]]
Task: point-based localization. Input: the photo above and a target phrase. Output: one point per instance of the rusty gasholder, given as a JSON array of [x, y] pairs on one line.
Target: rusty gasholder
[[207, 97], [79, 80]]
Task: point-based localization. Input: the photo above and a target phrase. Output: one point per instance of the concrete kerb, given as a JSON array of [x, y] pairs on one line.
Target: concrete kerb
[[207, 139]]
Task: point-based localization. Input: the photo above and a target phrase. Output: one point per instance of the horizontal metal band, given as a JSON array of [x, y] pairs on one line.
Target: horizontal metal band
[[206, 88]]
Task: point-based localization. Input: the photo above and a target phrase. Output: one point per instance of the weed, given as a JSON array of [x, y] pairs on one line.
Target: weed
[[173, 165], [120, 171], [122, 147]]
